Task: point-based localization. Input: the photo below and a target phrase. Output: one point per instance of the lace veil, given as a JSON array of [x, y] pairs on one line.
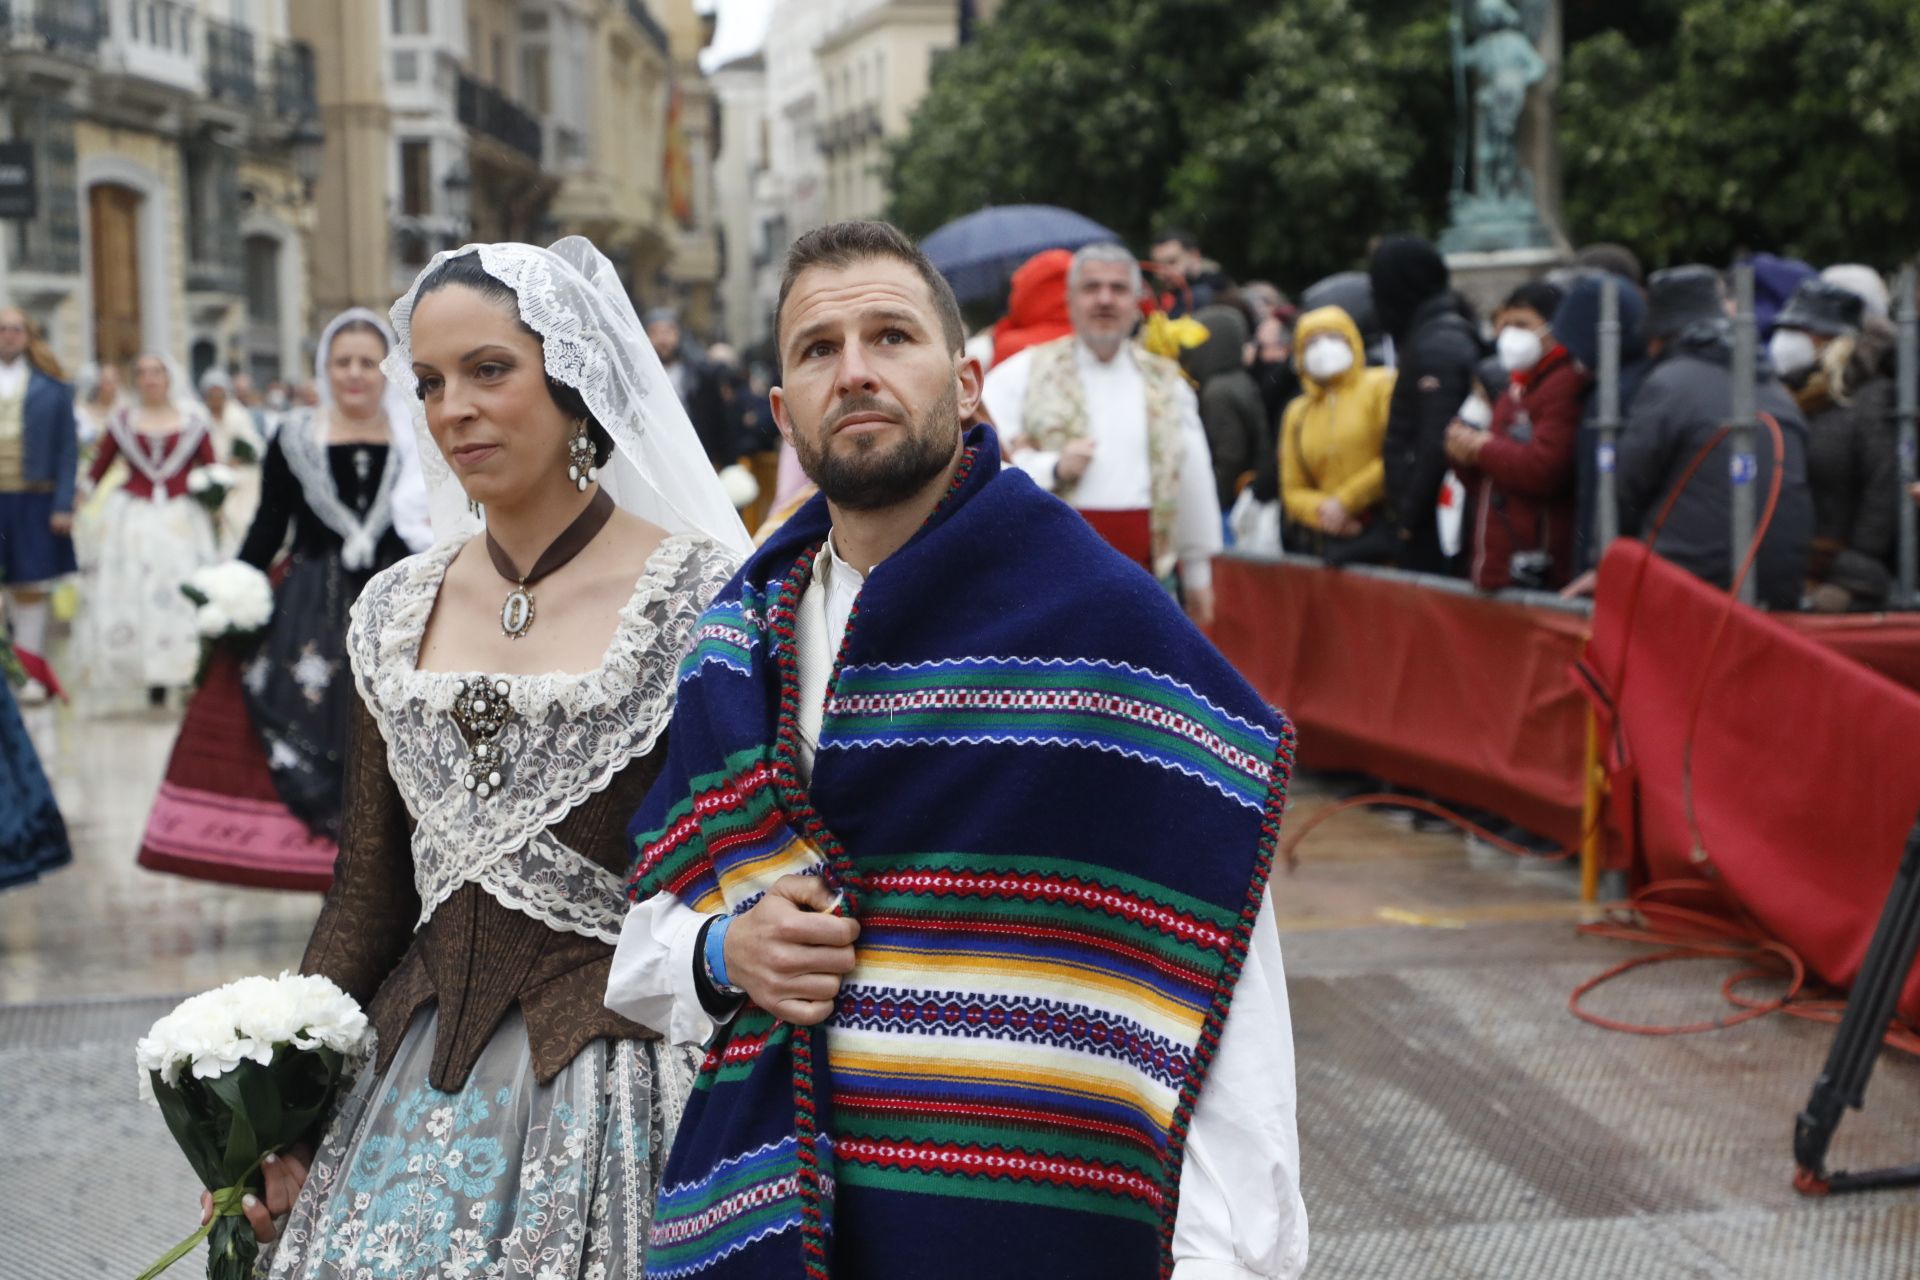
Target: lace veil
[[571, 296], [409, 498]]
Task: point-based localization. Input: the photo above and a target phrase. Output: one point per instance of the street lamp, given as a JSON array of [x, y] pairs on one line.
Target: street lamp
[[308, 147]]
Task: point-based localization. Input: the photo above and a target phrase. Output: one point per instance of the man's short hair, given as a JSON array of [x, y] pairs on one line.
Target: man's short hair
[[660, 315], [1180, 236], [1102, 251], [841, 244]]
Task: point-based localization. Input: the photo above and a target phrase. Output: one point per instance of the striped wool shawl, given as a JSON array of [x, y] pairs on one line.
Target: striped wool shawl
[[1052, 806]]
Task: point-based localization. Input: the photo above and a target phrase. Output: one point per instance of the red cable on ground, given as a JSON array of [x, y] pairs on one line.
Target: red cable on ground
[[1691, 934]]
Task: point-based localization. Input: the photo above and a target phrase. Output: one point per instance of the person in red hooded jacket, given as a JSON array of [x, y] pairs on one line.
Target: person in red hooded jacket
[[1520, 471], [1036, 305]]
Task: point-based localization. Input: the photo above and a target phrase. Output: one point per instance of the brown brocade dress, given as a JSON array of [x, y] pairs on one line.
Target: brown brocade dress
[[509, 1123]]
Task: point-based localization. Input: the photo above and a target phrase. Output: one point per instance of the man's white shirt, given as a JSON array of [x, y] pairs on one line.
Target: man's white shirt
[[13, 378], [1241, 1216], [1119, 478]]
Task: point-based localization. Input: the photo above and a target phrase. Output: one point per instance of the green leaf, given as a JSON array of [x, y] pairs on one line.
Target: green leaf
[[201, 1139], [243, 1147]]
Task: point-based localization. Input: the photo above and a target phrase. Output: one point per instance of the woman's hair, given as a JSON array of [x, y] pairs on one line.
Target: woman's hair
[[467, 270], [358, 324]]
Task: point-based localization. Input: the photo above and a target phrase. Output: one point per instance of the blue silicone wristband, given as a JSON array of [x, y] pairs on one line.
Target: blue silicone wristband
[[716, 953]]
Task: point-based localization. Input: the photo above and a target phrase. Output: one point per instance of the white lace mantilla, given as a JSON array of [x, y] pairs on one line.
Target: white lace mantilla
[[571, 734]]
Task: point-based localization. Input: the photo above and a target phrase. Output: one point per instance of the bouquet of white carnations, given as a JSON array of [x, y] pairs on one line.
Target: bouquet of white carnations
[[242, 1073], [233, 599], [210, 485]]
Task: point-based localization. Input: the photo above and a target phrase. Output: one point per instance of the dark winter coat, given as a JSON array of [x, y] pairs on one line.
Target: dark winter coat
[[1523, 480], [1230, 405], [1686, 398], [1853, 467], [1436, 353]]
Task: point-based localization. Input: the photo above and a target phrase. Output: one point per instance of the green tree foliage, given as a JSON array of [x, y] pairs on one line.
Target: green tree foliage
[[1280, 132], [1784, 125], [1288, 133], [1293, 176]]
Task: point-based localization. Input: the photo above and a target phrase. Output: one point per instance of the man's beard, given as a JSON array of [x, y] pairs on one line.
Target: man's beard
[[866, 476]]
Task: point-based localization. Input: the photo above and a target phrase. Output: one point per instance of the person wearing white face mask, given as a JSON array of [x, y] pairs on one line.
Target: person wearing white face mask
[[1521, 469], [1332, 477], [1834, 364]]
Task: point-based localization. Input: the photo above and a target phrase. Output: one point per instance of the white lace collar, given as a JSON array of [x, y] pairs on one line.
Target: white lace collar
[[572, 735], [399, 678]]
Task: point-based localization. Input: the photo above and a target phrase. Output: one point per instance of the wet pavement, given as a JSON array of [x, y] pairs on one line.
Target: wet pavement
[[1455, 1120]]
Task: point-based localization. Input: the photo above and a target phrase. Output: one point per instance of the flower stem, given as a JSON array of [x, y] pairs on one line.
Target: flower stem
[[226, 1204]]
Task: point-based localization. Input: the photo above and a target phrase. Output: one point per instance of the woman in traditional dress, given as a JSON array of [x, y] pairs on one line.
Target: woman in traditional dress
[[136, 628], [238, 446], [515, 691], [97, 399], [252, 793]]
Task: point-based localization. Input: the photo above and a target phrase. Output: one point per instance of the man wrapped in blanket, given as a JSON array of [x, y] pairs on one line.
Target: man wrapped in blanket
[[958, 864]]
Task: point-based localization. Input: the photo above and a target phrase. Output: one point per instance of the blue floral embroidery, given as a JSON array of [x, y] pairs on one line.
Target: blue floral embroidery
[[429, 1189]]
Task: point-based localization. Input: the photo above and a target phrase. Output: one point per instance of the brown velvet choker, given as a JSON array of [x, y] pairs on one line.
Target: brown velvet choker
[[516, 612]]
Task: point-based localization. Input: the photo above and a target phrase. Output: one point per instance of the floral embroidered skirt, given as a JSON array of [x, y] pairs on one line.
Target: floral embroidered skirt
[[506, 1177]]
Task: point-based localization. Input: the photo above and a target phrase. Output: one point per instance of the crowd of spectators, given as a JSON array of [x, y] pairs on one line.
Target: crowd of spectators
[[1395, 424]]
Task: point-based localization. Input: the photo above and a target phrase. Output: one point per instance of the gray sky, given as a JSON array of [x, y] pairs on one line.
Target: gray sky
[[742, 25]]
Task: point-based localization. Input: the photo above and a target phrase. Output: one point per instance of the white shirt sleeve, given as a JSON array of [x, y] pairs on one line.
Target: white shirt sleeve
[[1196, 527], [651, 980], [1004, 393], [1241, 1216]]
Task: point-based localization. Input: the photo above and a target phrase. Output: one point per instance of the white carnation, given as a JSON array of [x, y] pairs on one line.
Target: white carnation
[[239, 598], [248, 1020], [198, 480]]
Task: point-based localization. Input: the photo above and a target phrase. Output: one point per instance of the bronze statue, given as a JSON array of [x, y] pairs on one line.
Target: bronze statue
[[1496, 64]]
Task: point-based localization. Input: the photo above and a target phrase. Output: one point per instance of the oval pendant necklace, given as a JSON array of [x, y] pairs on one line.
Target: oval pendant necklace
[[516, 612]]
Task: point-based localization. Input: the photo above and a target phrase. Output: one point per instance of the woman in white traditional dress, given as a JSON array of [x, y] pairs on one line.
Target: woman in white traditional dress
[[237, 446], [96, 399], [135, 628], [515, 688]]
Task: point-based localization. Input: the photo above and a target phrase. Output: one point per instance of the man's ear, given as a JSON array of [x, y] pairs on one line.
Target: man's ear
[[971, 378], [782, 418]]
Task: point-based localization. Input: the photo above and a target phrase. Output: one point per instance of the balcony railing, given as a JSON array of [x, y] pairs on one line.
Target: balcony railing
[[230, 65], [293, 84], [486, 110], [72, 27], [216, 251]]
